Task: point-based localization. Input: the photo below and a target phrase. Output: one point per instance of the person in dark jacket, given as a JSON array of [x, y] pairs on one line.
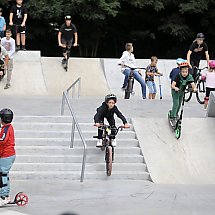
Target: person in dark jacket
[[107, 110]]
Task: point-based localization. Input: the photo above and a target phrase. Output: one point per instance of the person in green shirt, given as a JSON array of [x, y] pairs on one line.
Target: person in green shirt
[[178, 89]]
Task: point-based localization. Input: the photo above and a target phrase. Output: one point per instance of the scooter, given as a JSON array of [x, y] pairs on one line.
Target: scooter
[[21, 199], [177, 127]]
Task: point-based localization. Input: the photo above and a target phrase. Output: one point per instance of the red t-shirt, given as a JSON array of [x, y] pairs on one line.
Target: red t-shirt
[[7, 141]]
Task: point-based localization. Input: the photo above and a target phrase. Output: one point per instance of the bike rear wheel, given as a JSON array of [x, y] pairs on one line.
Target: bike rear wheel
[[109, 160], [128, 89], [200, 94]]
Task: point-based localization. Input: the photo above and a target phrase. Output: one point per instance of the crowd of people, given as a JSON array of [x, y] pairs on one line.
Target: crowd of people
[[8, 46]]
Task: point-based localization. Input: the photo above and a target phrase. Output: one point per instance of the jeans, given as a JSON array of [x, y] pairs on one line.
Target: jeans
[[1, 34], [9, 71], [177, 98], [152, 87], [138, 77], [5, 166]]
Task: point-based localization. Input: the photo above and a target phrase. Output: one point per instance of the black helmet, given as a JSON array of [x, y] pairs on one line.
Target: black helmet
[[200, 36], [68, 17], [6, 115], [109, 97]]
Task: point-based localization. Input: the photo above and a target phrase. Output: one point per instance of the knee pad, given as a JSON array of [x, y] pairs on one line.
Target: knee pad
[[1, 179]]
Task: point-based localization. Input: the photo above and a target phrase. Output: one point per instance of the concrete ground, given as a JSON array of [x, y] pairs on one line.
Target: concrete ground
[[36, 90], [113, 197]]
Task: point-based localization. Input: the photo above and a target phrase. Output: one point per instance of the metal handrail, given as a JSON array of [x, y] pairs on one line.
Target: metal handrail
[[75, 123]]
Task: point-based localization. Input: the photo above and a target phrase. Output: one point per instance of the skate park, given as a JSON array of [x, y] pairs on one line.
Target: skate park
[[154, 173]]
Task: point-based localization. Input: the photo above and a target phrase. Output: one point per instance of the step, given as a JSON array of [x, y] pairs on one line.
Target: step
[[66, 142], [67, 134], [59, 119], [55, 126], [65, 150], [75, 175], [77, 167], [99, 158]]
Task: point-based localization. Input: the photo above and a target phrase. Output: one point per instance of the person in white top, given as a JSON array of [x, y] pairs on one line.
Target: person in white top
[[128, 59], [9, 44], [209, 76], [4, 58]]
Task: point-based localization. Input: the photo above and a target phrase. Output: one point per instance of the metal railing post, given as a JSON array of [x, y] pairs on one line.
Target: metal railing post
[[83, 166], [75, 124], [63, 105], [72, 133]]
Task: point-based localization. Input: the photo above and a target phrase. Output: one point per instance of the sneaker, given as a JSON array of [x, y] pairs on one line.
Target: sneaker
[[173, 122], [4, 200], [23, 48], [17, 48], [114, 142], [7, 86], [99, 143]]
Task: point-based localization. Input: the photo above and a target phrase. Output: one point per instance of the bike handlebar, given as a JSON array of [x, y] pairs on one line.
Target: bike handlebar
[[132, 68], [199, 68]]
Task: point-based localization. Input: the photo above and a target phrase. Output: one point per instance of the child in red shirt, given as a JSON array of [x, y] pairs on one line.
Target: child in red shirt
[[7, 154]]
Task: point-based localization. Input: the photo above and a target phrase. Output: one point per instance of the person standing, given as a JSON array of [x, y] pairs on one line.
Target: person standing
[[196, 50], [2, 24], [18, 18], [9, 44]]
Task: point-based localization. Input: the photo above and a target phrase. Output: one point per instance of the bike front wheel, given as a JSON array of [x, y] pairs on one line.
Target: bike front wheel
[[200, 94], [109, 160]]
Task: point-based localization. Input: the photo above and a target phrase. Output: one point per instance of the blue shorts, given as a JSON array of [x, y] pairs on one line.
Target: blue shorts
[[152, 87]]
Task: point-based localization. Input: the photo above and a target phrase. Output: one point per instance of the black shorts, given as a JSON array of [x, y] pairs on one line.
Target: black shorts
[[67, 42], [18, 29], [208, 91]]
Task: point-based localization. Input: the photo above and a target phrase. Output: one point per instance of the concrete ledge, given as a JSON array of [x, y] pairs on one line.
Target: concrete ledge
[[24, 56], [211, 105]]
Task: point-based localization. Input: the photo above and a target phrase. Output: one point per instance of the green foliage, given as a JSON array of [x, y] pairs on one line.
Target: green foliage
[[100, 22], [194, 6]]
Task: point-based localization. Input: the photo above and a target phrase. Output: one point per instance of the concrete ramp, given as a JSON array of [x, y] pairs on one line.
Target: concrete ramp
[[93, 82], [189, 160], [27, 78]]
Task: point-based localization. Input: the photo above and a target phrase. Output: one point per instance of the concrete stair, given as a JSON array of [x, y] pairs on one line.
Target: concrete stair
[[43, 152]]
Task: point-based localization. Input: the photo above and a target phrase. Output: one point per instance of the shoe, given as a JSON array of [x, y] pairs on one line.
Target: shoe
[[114, 142], [99, 143], [23, 48], [17, 48], [4, 200], [173, 122], [7, 86]]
